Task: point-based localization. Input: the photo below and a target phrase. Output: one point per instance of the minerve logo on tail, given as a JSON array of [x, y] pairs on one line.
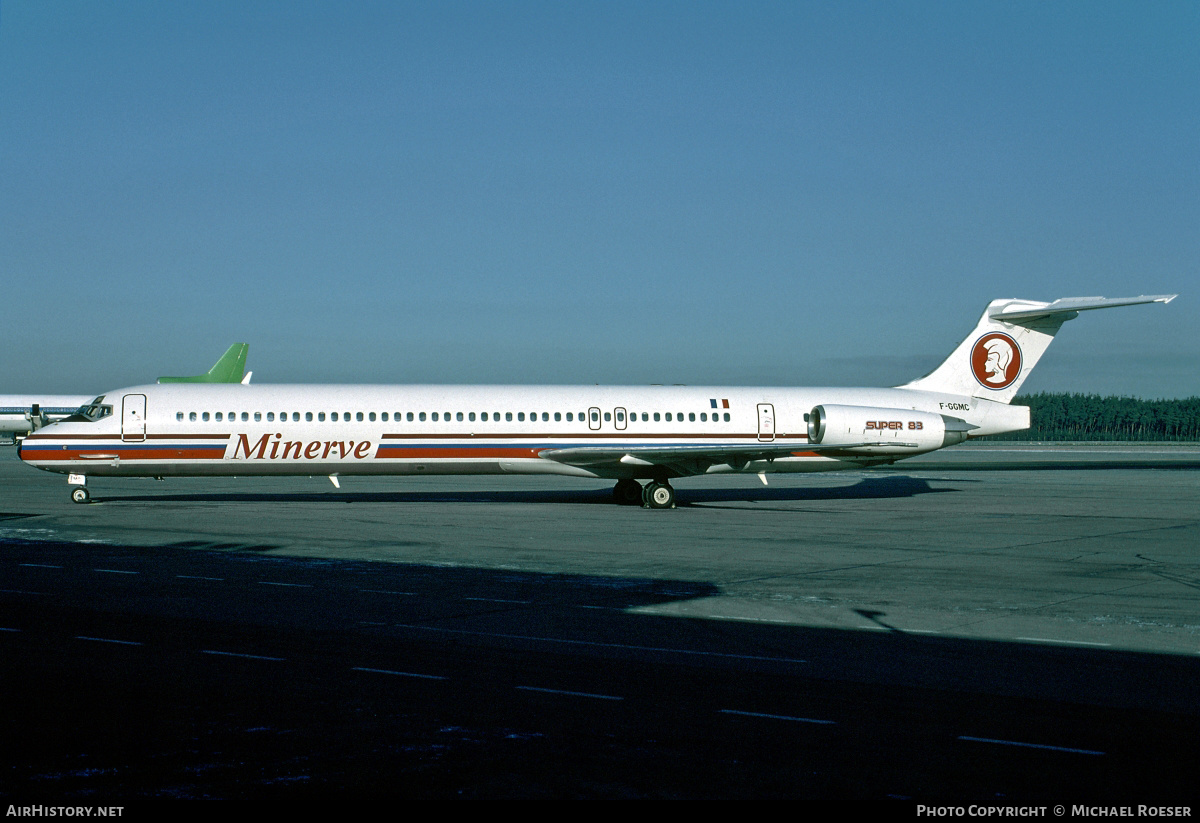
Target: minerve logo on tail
[[996, 360]]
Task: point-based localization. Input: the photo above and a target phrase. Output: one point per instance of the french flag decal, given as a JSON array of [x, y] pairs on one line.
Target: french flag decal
[[712, 401]]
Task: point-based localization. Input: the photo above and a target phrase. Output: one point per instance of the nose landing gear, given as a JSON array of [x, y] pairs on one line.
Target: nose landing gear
[[79, 492]]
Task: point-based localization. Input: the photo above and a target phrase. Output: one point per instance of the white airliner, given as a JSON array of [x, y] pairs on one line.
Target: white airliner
[[623, 433]]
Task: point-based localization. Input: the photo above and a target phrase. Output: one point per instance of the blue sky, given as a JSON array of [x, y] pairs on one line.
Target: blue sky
[[655, 192]]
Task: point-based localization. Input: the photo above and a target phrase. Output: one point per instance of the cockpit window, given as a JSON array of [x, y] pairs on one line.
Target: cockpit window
[[91, 412]]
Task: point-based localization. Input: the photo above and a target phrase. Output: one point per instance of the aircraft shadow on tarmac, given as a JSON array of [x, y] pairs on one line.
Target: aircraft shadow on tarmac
[[450, 681], [870, 488]]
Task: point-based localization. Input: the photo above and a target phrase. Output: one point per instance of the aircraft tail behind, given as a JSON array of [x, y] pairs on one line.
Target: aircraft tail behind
[[994, 360], [231, 368]]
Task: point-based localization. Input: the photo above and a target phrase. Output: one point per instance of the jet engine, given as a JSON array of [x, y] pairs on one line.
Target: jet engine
[[870, 430]]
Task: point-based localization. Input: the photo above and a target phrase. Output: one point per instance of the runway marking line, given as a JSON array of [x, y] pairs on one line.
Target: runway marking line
[[1061, 642], [39, 566], [382, 591], [570, 693], [1028, 745], [780, 717], [6, 629], [602, 645], [238, 654], [398, 674], [296, 585], [115, 571], [197, 577], [108, 640], [500, 600]]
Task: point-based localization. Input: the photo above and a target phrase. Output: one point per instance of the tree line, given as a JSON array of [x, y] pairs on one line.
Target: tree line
[[1092, 417]]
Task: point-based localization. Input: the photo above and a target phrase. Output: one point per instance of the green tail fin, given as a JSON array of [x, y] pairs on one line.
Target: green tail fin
[[231, 368]]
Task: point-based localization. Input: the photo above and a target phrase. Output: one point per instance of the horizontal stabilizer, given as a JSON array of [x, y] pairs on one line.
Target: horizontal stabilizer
[[1070, 305]]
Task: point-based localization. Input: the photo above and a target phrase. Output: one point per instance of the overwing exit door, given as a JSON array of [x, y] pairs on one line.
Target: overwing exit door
[[766, 422]]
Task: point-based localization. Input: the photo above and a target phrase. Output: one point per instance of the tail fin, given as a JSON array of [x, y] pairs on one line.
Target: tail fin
[[1010, 338], [229, 369]]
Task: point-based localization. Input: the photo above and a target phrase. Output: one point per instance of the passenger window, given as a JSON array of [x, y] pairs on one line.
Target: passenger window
[[570, 417], [371, 417], [270, 417], [691, 417], [334, 417], [410, 417], [558, 417], [508, 417], [595, 417], [192, 416], [321, 416], [179, 416], [645, 417], [384, 417], [668, 417], [471, 415], [483, 417], [521, 417], [422, 416], [726, 417], [217, 417], [607, 417], [358, 417], [656, 417], [245, 416], [459, 417], [703, 417]]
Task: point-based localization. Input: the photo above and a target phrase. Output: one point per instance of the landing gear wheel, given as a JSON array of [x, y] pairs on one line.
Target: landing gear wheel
[[628, 493], [80, 495], [659, 496]]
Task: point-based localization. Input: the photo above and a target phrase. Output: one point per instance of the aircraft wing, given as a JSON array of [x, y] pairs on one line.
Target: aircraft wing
[[696, 458]]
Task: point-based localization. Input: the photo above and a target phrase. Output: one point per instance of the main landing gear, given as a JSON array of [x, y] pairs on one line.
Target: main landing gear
[[657, 494]]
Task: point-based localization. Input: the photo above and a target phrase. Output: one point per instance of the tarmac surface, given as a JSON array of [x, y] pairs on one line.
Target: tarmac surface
[[999, 624]]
